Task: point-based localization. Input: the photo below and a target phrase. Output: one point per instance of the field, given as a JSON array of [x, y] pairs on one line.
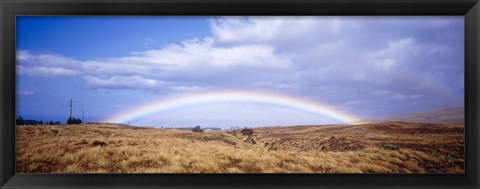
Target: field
[[390, 147]]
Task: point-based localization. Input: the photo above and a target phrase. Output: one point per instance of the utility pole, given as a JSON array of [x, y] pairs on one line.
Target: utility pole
[[71, 105]]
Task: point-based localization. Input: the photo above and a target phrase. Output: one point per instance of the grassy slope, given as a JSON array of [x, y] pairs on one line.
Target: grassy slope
[[444, 116], [424, 148]]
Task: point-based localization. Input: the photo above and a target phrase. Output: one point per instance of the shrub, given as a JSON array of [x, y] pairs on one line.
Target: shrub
[[436, 153], [388, 146], [99, 143], [197, 129], [73, 120], [452, 156], [247, 132]]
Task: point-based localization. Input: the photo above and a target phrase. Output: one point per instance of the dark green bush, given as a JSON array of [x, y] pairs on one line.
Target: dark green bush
[[388, 146], [197, 129], [247, 132], [452, 156], [436, 153], [73, 120]]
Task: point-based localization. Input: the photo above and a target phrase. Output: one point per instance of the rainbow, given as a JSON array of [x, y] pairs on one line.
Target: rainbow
[[235, 96]]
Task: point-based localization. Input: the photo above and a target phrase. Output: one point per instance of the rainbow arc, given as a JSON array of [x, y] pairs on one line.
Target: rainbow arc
[[192, 100]]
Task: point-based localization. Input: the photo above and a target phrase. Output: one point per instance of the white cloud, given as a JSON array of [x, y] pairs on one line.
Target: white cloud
[[385, 65], [242, 29], [196, 53], [26, 93], [131, 82], [186, 88], [30, 59], [145, 69], [46, 65], [278, 31], [149, 41], [42, 71]]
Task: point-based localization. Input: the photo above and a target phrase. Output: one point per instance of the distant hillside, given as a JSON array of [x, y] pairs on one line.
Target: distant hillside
[[449, 116]]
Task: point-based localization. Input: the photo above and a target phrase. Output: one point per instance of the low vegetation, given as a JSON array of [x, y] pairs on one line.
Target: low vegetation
[[394, 147], [390, 146], [197, 129]]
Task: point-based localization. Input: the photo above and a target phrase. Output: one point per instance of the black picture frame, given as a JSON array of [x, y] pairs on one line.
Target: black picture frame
[[11, 8]]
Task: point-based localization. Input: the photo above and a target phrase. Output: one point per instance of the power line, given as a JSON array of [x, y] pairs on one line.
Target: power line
[[71, 105]]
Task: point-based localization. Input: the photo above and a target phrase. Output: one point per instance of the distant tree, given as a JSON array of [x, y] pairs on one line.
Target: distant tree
[[50, 122], [197, 129], [19, 120], [73, 120], [57, 123], [247, 132]]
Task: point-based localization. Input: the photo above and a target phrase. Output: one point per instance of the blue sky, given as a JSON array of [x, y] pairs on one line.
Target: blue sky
[[365, 66]]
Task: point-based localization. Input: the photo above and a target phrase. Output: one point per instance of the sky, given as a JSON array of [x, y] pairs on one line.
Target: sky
[[237, 71]]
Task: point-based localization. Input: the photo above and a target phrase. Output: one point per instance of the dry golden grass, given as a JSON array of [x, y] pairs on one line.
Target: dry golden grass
[[110, 148]]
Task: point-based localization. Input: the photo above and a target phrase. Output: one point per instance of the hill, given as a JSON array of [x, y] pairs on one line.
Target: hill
[[446, 116]]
